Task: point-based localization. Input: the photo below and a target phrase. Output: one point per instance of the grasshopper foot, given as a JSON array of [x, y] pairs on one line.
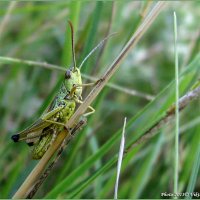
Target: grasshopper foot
[[15, 138]]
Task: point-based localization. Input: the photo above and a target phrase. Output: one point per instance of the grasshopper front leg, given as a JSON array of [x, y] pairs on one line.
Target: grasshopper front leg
[[76, 86], [72, 93]]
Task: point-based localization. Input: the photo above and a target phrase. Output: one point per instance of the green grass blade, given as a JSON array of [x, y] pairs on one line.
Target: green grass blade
[[176, 159], [141, 178], [91, 37], [87, 182], [194, 173]]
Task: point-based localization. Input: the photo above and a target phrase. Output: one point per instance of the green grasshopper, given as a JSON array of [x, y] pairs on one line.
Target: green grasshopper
[[43, 132]]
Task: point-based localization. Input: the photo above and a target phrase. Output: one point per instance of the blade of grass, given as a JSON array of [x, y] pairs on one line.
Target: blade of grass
[[121, 151], [176, 159], [132, 158], [101, 52], [13, 174], [191, 149], [145, 173], [190, 125], [194, 174], [91, 37], [146, 169], [87, 181]]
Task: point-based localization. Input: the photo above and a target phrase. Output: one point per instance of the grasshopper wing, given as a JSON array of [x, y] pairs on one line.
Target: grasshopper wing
[[37, 126]]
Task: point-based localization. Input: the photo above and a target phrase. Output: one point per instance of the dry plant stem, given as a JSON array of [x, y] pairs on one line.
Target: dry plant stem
[[29, 182], [153, 130], [56, 67], [35, 174]]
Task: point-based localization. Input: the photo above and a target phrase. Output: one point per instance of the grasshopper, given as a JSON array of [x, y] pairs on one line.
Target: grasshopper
[[42, 133]]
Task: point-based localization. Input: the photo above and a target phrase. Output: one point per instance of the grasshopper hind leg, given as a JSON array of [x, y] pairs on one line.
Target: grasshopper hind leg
[[33, 140], [44, 142]]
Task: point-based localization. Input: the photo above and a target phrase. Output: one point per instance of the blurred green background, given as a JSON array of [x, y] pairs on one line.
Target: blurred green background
[[38, 31]]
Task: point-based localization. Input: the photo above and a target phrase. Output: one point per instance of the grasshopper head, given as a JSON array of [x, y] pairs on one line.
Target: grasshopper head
[[73, 75], [73, 78]]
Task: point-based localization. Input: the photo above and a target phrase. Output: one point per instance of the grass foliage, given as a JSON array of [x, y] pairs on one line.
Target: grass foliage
[[39, 31]]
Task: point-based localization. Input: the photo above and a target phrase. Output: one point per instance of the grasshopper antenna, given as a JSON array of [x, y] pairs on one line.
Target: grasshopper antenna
[[95, 48], [72, 38]]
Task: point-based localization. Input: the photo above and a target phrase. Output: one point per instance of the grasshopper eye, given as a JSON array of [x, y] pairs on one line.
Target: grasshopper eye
[[68, 74]]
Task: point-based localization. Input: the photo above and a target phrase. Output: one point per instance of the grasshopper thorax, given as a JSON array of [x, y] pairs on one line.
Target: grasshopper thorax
[[73, 81]]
